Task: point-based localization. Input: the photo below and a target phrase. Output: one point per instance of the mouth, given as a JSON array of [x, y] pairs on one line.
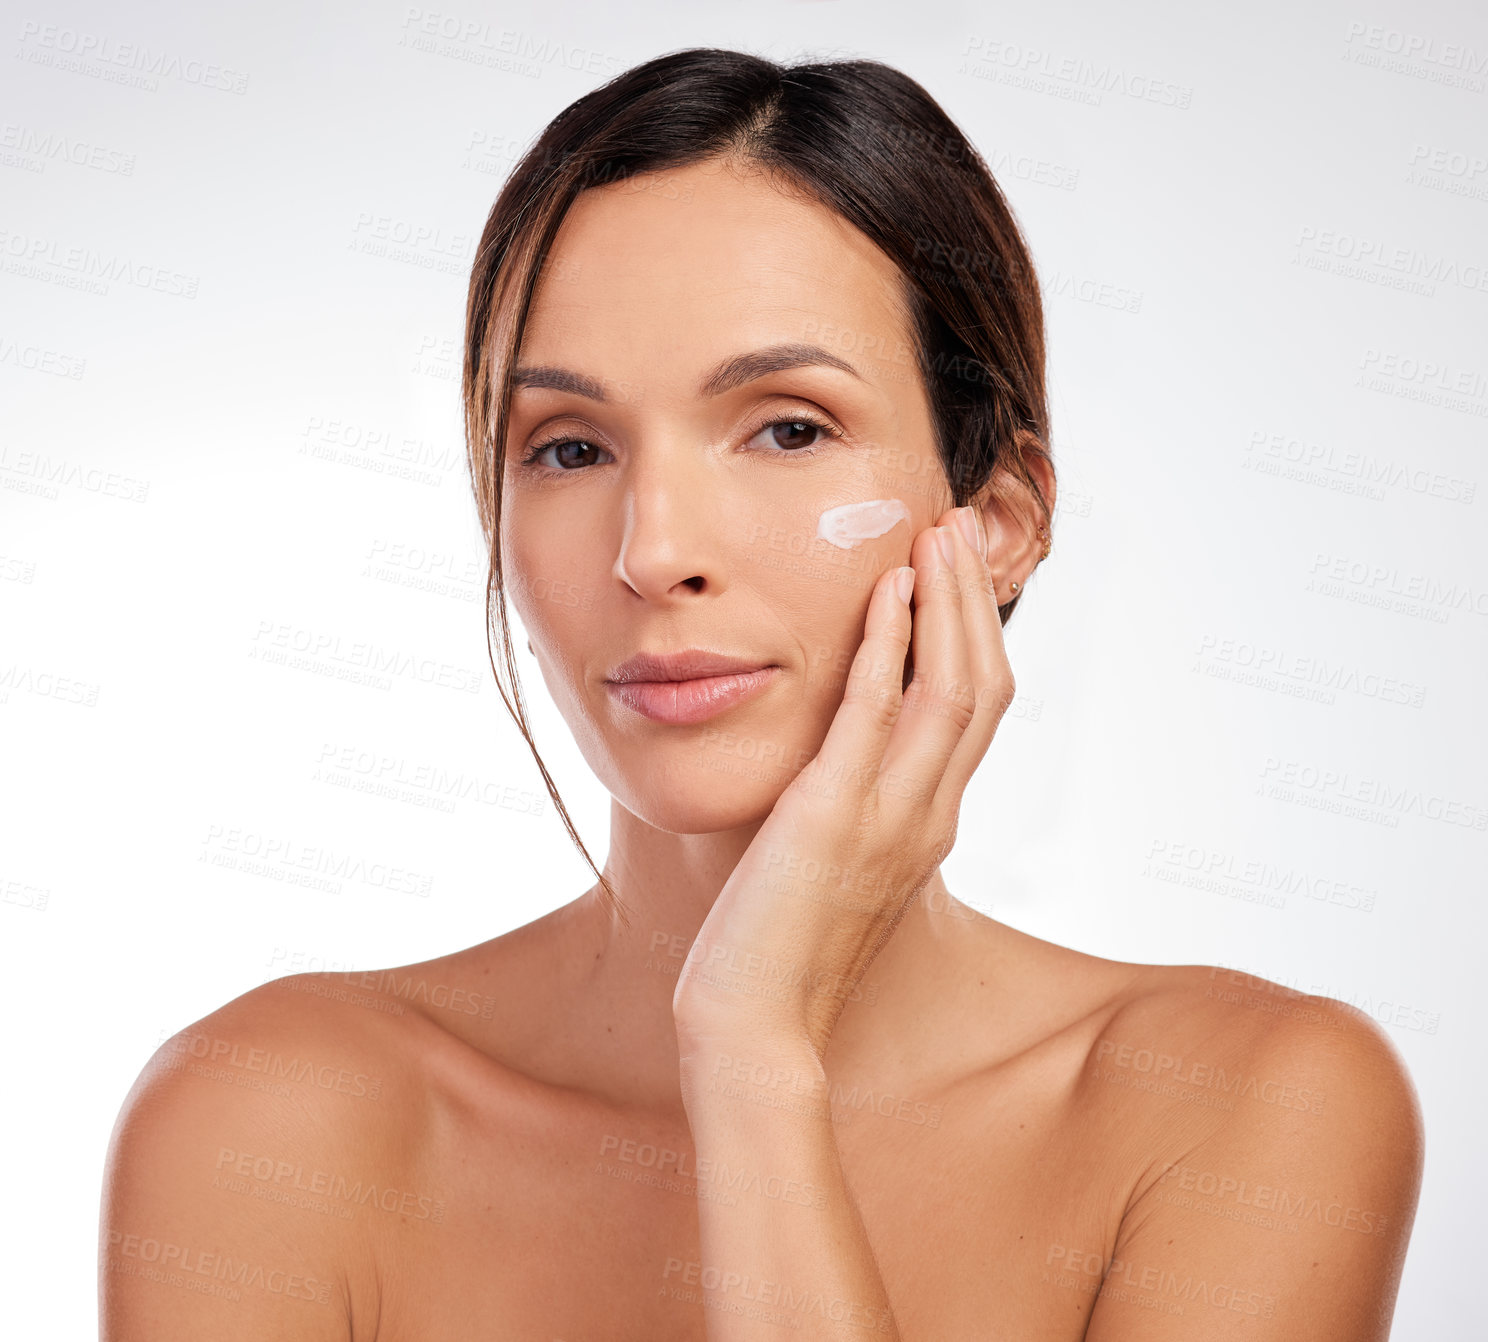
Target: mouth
[[685, 687]]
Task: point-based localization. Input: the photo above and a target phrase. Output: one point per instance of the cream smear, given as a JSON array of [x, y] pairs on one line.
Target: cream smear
[[852, 523]]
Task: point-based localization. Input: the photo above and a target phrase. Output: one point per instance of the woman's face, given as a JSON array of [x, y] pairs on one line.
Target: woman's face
[[682, 510]]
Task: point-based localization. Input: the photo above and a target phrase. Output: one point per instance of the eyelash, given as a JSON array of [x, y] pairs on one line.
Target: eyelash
[[830, 430]]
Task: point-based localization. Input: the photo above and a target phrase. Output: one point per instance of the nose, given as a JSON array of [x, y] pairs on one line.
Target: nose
[[670, 545]]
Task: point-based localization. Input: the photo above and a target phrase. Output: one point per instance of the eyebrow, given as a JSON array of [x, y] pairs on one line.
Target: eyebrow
[[733, 372]]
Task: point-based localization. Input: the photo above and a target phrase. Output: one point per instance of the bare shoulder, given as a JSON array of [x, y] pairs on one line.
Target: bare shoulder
[[241, 1168], [1192, 1030], [1277, 1146]]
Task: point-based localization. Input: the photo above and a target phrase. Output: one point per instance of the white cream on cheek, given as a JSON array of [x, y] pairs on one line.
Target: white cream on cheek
[[851, 524]]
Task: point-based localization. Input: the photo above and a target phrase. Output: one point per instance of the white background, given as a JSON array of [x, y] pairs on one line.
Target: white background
[[1267, 600]]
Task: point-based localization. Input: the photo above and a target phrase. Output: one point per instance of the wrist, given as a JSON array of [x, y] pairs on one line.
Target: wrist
[[707, 1010], [755, 1079], [706, 1014], [731, 1047], [780, 1039]]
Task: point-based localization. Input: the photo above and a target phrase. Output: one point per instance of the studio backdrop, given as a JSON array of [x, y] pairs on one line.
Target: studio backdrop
[[247, 721]]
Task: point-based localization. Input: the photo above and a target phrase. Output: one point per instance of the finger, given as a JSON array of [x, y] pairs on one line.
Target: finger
[[939, 703], [873, 698], [991, 672]]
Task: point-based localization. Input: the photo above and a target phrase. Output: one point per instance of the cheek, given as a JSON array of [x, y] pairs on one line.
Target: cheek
[[820, 571], [547, 558], [849, 525], [819, 593], [838, 532], [520, 575], [545, 589]]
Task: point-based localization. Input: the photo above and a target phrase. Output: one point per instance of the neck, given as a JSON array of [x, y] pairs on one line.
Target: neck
[[669, 882]]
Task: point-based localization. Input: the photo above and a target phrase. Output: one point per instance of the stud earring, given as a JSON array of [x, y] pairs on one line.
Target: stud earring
[[1016, 588]]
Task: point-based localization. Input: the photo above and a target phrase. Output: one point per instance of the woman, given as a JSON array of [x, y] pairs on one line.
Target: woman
[[756, 414]]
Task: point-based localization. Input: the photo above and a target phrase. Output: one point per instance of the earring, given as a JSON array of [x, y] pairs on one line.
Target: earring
[[1015, 588], [1043, 535]]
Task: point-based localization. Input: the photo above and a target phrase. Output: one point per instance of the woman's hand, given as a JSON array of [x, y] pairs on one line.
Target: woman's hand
[[861, 829]]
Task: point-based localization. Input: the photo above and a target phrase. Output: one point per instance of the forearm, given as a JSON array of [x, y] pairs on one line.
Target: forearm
[[791, 1253]]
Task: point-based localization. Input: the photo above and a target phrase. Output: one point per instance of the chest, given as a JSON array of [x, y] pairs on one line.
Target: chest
[[984, 1208]]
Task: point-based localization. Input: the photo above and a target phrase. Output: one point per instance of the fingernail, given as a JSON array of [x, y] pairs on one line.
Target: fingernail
[[904, 581], [969, 530], [947, 544]]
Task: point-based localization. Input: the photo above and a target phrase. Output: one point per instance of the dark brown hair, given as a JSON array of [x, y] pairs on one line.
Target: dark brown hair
[[861, 139]]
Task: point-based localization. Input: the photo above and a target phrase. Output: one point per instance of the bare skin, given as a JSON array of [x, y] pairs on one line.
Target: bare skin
[[1001, 1125]]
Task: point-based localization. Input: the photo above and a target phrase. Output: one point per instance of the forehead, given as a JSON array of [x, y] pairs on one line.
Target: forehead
[[671, 272]]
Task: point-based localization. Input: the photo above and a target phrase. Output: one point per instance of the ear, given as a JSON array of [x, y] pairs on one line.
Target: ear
[[1012, 515]]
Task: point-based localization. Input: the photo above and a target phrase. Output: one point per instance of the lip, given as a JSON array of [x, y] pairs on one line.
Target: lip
[[686, 687], [691, 664]]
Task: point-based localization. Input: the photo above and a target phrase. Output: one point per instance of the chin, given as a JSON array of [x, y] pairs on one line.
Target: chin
[[699, 796]]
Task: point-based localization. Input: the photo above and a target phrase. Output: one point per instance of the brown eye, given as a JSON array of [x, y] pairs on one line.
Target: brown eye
[[569, 453], [799, 436], [797, 433]]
